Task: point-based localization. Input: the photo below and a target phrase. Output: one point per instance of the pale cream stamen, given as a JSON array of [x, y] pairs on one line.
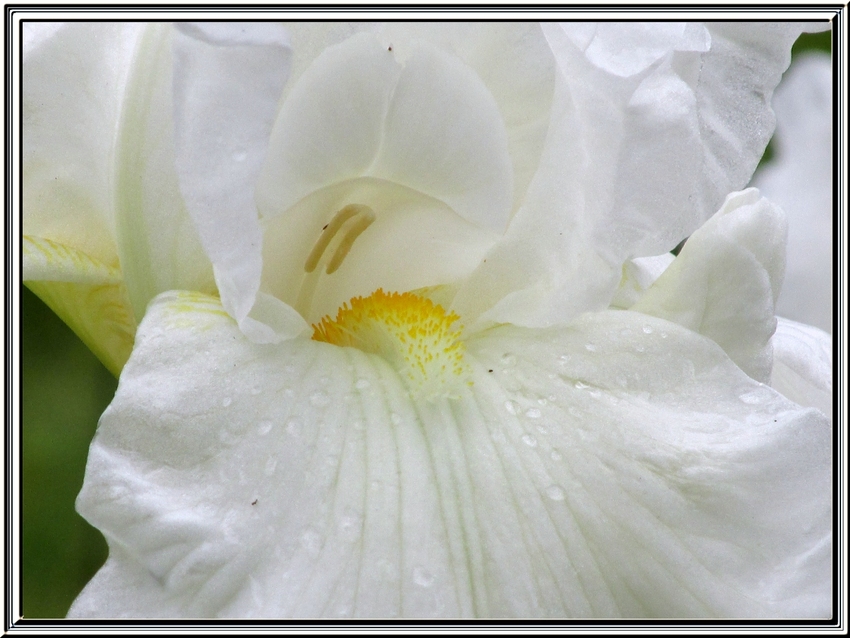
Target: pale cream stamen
[[329, 232], [363, 222], [345, 227]]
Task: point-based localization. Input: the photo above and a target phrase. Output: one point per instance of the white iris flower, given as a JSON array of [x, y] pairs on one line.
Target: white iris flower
[[395, 348]]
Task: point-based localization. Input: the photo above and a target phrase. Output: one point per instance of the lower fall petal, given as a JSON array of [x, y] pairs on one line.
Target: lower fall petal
[[620, 467]]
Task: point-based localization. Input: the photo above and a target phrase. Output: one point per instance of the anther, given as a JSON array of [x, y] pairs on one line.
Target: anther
[[366, 217], [330, 231]]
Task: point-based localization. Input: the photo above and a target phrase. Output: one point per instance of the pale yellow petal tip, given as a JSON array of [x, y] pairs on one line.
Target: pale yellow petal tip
[[48, 260], [413, 334]]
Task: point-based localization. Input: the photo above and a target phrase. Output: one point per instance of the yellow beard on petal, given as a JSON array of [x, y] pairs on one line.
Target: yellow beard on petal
[[415, 335]]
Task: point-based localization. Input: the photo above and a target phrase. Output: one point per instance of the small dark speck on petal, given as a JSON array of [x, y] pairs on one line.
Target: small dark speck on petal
[[490, 370], [254, 502]]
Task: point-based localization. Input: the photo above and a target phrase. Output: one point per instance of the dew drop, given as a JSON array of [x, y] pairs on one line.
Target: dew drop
[[541, 429], [754, 397], [349, 525], [533, 413], [226, 401], [320, 398], [564, 359], [542, 401], [264, 427], [555, 455], [508, 359], [529, 440], [293, 426], [556, 493], [422, 577], [512, 407], [647, 330], [663, 335], [362, 384], [640, 348], [581, 386], [311, 541], [590, 347]]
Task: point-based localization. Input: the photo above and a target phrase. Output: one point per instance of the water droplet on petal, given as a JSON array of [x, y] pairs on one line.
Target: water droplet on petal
[[556, 493], [311, 541], [590, 347], [640, 348], [226, 401], [349, 525], [512, 407], [754, 397], [507, 359], [320, 399], [264, 427], [529, 440], [581, 386], [555, 455], [293, 426], [647, 330], [422, 577], [362, 384], [533, 413]]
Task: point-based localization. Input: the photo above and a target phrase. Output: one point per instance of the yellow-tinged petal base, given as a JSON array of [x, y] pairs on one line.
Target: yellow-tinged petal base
[[86, 294], [415, 335]]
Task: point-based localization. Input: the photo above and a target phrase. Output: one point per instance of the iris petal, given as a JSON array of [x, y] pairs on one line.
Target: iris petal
[[591, 470]]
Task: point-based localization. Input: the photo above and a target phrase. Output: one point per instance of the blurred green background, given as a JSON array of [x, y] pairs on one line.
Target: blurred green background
[[65, 389]]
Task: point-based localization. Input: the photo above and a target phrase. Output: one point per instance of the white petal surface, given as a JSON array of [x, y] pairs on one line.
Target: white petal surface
[[158, 244], [619, 467], [227, 80], [802, 364], [725, 281], [512, 59], [72, 98], [799, 179], [644, 143], [428, 124]]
